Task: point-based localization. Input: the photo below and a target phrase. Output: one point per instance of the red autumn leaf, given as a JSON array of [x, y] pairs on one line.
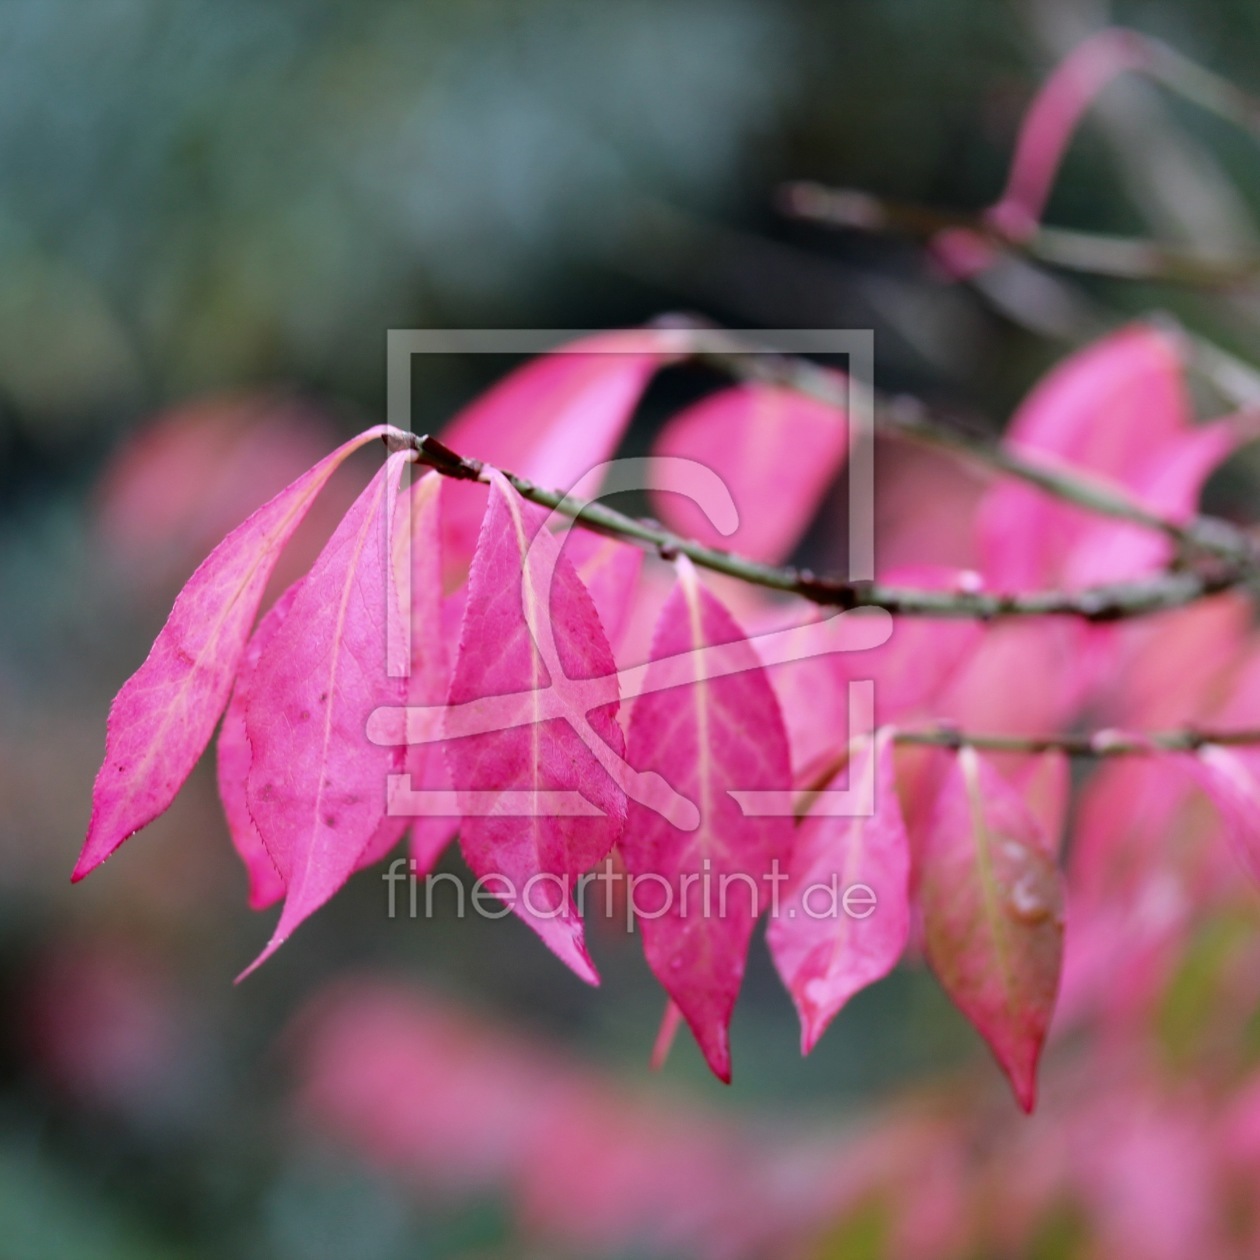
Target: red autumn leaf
[[991, 898], [825, 949], [777, 451], [162, 719], [317, 785], [552, 743], [700, 891]]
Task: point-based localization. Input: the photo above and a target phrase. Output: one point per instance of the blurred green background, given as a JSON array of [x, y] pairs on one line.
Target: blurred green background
[[199, 196]]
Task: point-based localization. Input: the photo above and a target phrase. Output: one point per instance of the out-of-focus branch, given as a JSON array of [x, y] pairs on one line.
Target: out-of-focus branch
[[1087, 744], [1121, 257], [1104, 743], [906, 417]]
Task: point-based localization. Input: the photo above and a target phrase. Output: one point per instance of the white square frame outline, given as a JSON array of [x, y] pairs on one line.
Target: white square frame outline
[[857, 345]]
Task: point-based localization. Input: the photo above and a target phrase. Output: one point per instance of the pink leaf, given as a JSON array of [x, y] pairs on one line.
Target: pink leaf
[[1044, 782], [992, 903], [777, 451], [317, 785], [706, 738], [434, 623], [1112, 410], [185, 479], [924, 654], [554, 419], [825, 948], [235, 756], [610, 572], [1052, 119], [811, 656], [533, 653], [1169, 483], [1021, 677], [1231, 779], [162, 719], [266, 886]]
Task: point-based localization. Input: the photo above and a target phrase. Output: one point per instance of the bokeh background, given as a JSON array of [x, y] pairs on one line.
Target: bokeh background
[[211, 211]]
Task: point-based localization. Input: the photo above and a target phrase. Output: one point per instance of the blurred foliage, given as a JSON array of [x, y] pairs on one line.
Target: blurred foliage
[[212, 194]]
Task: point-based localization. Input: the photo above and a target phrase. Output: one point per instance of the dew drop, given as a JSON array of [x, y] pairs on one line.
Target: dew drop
[[1026, 900]]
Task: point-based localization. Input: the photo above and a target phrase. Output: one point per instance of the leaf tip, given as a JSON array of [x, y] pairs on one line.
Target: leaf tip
[[1026, 1093], [94, 852], [570, 947], [1023, 1078], [715, 1044], [271, 947], [813, 1025]]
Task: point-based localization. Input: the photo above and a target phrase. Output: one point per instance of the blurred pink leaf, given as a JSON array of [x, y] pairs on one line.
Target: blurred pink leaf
[[811, 655], [1169, 483], [590, 1164], [181, 483], [924, 654], [1052, 119], [824, 953], [1117, 410], [1231, 778], [162, 719], [1044, 782], [705, 738], [777, 451], [991, 898]]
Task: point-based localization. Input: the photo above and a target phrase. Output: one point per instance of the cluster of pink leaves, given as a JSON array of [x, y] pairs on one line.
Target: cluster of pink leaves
[[961, 849], [1135, 1153], [1146, 1141]]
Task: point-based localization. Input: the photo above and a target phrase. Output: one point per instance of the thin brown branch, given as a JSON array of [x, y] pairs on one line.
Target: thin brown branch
[[1112, 602]]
